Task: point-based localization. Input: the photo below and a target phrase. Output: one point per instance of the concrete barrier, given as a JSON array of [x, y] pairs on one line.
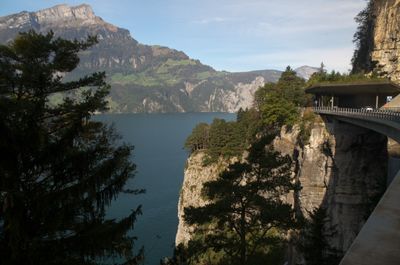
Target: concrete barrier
[[378, 242]]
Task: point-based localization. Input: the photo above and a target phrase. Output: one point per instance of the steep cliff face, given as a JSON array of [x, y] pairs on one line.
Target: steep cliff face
[[342, 167], [196, 174], [386, 51]]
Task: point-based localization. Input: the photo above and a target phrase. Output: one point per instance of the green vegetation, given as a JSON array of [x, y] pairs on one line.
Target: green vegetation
[[199, 139], [204, 75], [168, 73], [364, 40], [242, 225], [59, 169], [168, 65], [138, 79], [279, 103], [324, 78], [224, 139]]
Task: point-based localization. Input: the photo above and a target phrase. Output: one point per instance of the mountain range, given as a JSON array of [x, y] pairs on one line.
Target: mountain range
[[143, 78]]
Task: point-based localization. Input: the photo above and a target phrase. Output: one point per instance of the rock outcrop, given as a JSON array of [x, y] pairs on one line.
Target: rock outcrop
[[196, 174], [306, 71], [386, 38], [341, 167]]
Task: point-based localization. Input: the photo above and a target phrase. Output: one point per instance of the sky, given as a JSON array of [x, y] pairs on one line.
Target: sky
[[233, 35]]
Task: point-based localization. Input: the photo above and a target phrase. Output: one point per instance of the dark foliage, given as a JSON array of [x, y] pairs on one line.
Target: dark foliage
[[314, 242], [279, 103], [364, 40], [59, 170], [243, 221], [224, 139]]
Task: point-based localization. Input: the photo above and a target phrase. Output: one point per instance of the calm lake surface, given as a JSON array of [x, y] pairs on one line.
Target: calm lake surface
[[160, 160]]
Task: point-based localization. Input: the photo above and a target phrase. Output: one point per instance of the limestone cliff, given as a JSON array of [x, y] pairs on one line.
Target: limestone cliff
[[386, 37], [341, 167], [196, 174]]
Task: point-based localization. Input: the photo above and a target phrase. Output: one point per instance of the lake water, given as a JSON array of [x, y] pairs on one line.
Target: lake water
[[160, 160]]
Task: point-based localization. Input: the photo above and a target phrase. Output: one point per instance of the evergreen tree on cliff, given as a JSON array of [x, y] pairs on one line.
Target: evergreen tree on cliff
[[364, 40], [279, 103], [243, 220], [59, 170]]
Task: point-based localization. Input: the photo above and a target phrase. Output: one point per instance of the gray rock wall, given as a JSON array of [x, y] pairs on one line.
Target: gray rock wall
[[386, 50], [344, 169], [196, 174]]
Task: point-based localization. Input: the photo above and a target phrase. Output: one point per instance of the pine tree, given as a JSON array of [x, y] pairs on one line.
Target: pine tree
[[199, 138], [59, 169], [364, 40], [245, 212], [278, 103]]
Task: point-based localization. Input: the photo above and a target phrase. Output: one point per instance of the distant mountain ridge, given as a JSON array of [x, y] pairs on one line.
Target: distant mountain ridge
[[143, 78]]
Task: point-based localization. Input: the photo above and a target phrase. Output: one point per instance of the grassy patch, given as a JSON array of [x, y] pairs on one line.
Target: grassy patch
[[137, 79], [166, 67], [204, 75], [338, 78]]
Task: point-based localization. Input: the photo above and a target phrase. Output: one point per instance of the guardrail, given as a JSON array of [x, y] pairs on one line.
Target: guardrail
[[392, 114], [395, 109]]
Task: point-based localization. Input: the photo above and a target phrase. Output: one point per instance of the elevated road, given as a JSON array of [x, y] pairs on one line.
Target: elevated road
[[378, 242], [386, 122]]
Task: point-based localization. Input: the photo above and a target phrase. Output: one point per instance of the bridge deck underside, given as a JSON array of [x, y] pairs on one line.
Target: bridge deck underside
[[379, 240], [384, 128]]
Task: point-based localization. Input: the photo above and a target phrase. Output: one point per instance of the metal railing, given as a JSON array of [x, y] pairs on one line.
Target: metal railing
[[395, 109], [392, 114]]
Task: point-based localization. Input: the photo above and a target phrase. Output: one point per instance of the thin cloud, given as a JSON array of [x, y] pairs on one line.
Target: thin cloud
[[211, 20], [334, 58]]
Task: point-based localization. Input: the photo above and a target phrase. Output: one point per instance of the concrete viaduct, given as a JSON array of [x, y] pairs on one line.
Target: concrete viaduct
[[378, 242]]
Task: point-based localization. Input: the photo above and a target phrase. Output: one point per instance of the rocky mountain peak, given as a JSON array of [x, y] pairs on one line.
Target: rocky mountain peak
[[63, 12], [306, 71], [56, 16]]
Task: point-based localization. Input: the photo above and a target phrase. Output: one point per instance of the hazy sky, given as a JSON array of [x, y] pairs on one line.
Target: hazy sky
[[233, 35]]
